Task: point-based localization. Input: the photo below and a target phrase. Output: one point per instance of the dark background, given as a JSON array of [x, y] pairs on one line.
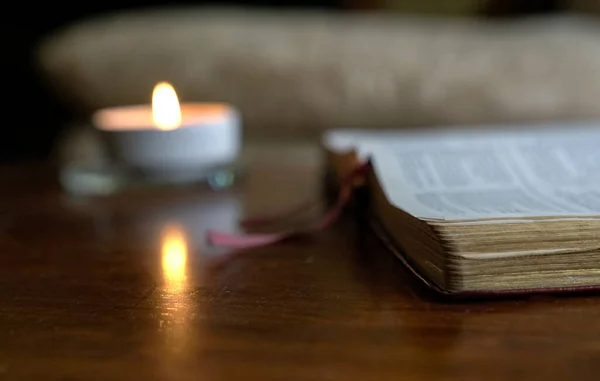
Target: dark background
[[33, 118]]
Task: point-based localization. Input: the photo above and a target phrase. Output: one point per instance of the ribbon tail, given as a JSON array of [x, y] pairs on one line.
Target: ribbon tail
[[245, 241]]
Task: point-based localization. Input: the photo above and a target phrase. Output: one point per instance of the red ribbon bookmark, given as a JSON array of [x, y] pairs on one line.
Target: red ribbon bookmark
[[234, 241]]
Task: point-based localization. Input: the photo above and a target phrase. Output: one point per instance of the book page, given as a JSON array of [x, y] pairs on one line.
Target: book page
[[361, 141], [511, 174]]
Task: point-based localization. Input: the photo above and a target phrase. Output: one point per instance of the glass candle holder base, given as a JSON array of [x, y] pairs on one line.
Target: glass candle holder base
[[96, 179]]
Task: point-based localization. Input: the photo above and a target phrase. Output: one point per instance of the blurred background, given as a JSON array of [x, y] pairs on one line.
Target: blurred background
[[34, 116]]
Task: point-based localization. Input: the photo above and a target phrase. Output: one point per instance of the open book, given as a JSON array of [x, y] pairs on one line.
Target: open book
[[489, 210]]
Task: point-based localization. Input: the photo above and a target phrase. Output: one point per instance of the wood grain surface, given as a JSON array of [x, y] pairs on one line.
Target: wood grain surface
[[123, 288]]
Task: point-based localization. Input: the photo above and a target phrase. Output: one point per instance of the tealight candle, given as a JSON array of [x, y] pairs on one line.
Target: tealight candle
[[171, 140]]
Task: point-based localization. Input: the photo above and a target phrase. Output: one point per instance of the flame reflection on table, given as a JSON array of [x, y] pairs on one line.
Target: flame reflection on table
[[175, 306], [174, 253]]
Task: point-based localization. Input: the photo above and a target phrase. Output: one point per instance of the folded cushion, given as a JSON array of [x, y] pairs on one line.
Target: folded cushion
[[301, 73]]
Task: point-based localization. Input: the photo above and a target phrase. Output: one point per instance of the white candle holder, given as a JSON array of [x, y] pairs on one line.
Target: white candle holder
[[204, 148]]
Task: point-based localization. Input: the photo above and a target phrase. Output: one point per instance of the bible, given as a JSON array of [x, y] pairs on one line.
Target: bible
[[488, 210]]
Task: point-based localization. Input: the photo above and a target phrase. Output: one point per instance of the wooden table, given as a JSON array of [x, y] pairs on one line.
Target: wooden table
[[120, 288]]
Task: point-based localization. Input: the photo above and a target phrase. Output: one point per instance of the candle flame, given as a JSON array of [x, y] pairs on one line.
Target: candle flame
[[166, 112]]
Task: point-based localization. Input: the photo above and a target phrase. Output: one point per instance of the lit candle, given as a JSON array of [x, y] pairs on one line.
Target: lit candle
[[169, 139]]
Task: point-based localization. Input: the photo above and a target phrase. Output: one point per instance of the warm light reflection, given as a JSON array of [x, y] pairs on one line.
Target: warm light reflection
[[175, 308], [174, 251], [166, 111]]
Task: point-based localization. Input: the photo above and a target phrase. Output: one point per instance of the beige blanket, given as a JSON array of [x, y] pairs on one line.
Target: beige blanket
[[298, 74]]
